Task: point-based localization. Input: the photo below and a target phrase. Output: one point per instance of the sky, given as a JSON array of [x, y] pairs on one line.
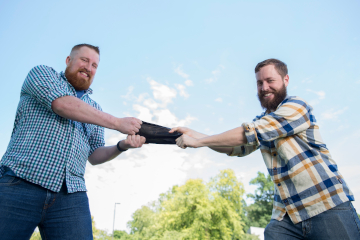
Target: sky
[[188, 63]]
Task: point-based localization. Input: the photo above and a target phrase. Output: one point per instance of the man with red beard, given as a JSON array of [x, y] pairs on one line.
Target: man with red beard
[[312, 199], [57, 128]]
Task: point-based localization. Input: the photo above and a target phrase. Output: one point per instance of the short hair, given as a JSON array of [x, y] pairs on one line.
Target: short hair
[[77, 47], [280, 66]]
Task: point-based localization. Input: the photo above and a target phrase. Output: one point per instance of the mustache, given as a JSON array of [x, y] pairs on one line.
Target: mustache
[[84, 70], [263, 93]]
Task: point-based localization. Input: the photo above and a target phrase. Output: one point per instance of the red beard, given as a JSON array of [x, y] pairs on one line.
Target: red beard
[[77, 82]]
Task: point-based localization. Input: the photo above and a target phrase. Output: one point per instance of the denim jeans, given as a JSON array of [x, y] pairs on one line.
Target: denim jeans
[[340, 223], [24, 206]]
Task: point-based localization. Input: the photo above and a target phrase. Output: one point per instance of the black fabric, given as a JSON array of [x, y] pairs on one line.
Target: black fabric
[[157, 134]]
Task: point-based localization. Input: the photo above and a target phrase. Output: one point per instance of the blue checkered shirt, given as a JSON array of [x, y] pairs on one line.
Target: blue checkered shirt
[[44, 148], [306, 177]]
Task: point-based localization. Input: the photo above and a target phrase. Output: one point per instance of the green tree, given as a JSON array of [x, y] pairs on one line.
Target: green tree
[[142, 219], [120, 234], [36, 235], [259, 213], [196, 211], [99, 234]]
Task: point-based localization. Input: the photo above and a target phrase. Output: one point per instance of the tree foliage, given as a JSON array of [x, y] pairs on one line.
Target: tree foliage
[[36, 235], [195, 210], [259, 213]]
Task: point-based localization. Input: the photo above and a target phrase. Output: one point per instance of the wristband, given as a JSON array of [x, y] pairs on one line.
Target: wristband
[[119, 148]]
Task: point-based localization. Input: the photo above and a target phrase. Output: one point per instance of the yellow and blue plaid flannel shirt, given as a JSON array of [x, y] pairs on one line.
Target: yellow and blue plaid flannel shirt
[[306, 177]]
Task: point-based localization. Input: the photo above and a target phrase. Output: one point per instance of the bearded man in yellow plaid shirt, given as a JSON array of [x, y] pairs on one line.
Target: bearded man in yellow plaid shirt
[[312, 199]]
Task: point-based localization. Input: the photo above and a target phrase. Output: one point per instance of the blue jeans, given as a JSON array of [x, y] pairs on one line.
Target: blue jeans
[[340, 223], [24, 206]]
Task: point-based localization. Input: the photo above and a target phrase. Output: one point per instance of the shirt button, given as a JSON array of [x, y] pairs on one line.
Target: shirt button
[[274, 154], [274, 168], [279, 184], [285, 201]]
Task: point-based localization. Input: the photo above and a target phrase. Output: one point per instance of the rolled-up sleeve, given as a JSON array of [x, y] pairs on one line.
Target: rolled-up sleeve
[[243, 150], [44, 84], [292, 117]]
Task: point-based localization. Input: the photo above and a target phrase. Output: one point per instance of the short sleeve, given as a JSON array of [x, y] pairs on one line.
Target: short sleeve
[[45, 85], [96, 139]]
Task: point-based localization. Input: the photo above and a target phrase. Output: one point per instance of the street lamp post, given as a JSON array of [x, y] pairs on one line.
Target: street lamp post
[[114, 221]]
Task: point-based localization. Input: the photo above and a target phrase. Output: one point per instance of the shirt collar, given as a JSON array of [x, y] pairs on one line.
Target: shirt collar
[[283, 101]]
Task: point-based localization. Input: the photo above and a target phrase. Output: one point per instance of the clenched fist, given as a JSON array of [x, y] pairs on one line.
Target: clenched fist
[[129, 125], [185, 141], [132, 141]]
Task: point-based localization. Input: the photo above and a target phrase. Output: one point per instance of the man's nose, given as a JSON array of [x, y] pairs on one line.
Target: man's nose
[[265, 86], [88, 67]]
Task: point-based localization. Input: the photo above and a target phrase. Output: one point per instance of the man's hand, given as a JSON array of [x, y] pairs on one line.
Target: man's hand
[[186, 141], [129, 125], [104, 154], [132, 141], [188, 131]]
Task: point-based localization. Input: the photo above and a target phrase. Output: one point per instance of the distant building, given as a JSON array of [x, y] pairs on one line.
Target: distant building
[[257, 231]]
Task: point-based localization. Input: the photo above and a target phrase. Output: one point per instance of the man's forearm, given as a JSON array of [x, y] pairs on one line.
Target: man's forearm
[[103, 154], [73, 108], [198, 135], [231, 138]]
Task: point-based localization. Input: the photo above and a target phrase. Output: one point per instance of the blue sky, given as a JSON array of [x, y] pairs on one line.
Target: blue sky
[[189, 63]]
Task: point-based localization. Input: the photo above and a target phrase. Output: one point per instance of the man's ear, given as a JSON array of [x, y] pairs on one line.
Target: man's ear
[[286, 80], [67, 60]]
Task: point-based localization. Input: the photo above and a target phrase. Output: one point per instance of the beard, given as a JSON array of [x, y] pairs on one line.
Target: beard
[[271, 105], [77, 82]]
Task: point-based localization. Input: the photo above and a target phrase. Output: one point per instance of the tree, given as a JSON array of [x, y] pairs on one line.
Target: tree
[[142, 219], [194, 210], [97, 233], [259, 213], [36, 235], [119, 234]]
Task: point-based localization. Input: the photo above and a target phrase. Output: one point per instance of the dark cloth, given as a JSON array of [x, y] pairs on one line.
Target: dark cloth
[[157, 134]]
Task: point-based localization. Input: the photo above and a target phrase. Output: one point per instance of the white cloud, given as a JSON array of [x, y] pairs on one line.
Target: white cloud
[[209, 80], [150, 103], [307, 80], [128, 95], [162, 92], [189, 83], [219, 99], [136, 177], [179, 71], [321, 94], [332, 114], [182, 90], [144, 113], [215, 74]]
